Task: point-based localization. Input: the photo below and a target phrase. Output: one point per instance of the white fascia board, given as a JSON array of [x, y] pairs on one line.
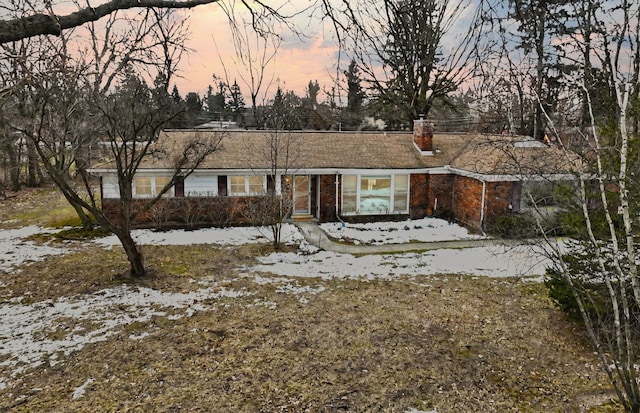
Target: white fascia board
[[355, 171], [104, 171], [238, 172], [100, 171], [441, 170], [203, 171], [444, 170], [505, 177]]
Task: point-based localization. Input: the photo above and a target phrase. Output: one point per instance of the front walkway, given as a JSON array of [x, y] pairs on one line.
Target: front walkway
[[317, 237]]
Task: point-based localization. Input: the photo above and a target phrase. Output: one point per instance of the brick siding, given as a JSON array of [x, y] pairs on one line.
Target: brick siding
[[440, 188], [458, 197], [467, 194], [467, 199], [499, 200], [328, 198], [418, 198]]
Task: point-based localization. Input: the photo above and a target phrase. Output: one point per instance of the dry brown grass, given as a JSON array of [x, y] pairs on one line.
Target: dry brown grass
[[457, 344], [35, 206]]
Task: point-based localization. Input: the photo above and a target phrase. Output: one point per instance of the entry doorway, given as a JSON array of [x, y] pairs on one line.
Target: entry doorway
[[301, 195]]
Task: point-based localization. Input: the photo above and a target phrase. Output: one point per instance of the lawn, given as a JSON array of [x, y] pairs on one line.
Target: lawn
[[212, 328]]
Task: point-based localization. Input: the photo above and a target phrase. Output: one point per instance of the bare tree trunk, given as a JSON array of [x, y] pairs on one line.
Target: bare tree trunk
[[538, 131], [134, 256], [14, 167], [85, 219], [32, 164]]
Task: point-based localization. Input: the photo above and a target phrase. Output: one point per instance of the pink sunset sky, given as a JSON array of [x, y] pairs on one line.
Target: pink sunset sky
[[298, 59]]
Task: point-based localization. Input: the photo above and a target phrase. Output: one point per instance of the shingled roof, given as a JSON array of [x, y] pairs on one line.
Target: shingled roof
[[331, 150], [315, 149], [513, 155]]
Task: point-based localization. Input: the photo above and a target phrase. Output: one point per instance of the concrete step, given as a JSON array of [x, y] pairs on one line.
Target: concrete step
[[302, 217]]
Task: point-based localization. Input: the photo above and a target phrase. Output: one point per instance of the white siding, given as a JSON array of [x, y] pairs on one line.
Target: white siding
[[110, 187], [201, 185]]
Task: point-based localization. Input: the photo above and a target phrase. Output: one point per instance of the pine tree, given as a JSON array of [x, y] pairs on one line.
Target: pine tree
[[175, 94], [355, 94], [236, 105]]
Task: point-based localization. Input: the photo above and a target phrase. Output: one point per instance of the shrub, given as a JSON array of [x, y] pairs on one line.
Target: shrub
[[562, 294], [444, 213], [586, 282], [514, 226]]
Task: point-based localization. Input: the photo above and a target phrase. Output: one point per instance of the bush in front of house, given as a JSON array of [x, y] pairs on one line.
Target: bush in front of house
[[515, 226], [588, 282]]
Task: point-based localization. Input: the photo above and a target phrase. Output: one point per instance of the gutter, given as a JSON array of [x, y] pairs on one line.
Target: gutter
[[484, 191]]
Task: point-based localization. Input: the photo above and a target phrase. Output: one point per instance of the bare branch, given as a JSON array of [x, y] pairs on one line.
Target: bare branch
[[39, 23]]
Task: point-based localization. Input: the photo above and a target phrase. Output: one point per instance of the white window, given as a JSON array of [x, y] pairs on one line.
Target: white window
[[200, 185], [247, 185], [110, 187], [401, 193], [143, 187], [150, 186], [256, 184], [349, 194], [375, 194]]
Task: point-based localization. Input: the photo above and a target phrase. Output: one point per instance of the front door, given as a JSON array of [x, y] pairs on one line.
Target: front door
[[301, 194]]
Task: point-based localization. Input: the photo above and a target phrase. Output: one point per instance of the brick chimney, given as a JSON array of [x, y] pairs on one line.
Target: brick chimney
[[423, 136]]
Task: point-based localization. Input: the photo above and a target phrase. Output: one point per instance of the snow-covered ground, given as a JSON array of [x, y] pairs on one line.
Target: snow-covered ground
[[417, 230], [220, 236], [488, 261], [16, 249], [25, 332]]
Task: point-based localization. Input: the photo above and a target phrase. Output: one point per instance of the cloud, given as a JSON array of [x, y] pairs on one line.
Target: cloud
[[311, 56]]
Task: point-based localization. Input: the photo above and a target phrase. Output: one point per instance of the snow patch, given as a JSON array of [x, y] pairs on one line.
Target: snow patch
[[32, 334], [78, 392], [488, 261], [379, 233], [139, 336], [15, 250], [220, 236]]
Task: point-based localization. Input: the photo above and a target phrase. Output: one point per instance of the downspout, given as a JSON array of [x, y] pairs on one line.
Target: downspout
[[337, 182], [484, 190]]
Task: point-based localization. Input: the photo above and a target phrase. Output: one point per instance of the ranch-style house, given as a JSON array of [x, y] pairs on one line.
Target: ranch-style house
[[347, 176]]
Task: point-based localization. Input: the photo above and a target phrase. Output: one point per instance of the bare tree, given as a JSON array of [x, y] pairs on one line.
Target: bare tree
[[599, 267], [48, 22], [9, 159], [283, 153], [50, 104], [408, 52], [55, 121], [20, 61], [255, 51], [69, 105], [132, 118]]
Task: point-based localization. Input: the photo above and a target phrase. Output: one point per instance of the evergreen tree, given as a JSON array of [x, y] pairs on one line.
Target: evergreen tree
[[236, 105], [352, 114], [173, 104], [312, 93], [175, 94], [193, 109], [283, 114], [355, 94], [216, 102]]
